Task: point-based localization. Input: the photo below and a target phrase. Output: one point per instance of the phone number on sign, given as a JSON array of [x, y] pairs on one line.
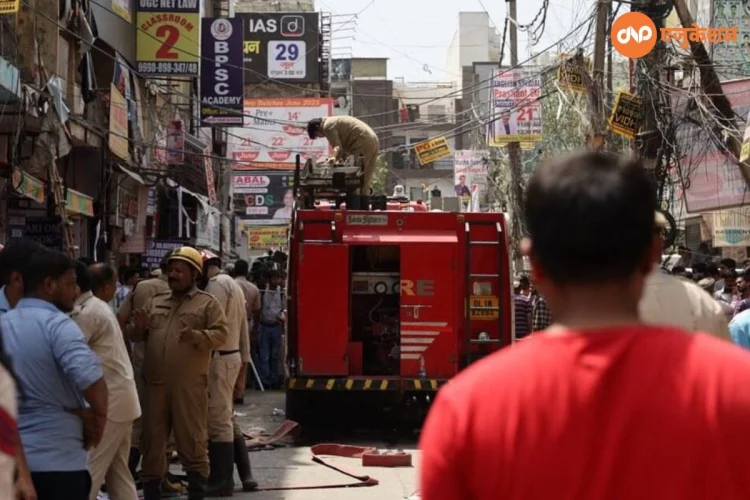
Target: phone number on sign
[[168, 68]]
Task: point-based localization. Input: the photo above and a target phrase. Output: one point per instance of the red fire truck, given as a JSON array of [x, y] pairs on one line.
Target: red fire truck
[[386, 306]]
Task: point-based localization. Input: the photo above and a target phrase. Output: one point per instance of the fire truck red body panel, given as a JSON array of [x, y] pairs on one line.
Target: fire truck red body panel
[[444, 299]]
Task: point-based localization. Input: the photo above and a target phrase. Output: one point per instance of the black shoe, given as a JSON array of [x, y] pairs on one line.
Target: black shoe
[[133, 461], [239, 401], [242, 461], [152, 490], [221, 480], [196, 488]]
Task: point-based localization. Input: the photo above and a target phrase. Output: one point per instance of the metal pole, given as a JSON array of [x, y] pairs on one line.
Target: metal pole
[[514, 154]]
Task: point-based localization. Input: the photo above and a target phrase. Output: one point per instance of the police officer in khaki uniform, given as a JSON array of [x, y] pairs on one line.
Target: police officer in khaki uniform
[[181, 328], [225, 367], [137, 299], [348, 136]]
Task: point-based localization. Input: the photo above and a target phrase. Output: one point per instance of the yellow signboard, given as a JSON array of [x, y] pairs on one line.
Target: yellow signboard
[[483, 307], [118, 123], [9, 7], [432, 150], [168, 37], [571, 73], [626, 115], [266, 237]]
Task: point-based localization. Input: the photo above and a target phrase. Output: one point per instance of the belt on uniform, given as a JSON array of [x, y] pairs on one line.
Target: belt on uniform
[[226, 353]]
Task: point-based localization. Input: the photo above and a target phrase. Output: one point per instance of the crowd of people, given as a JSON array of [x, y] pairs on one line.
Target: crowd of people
[[105, 371]]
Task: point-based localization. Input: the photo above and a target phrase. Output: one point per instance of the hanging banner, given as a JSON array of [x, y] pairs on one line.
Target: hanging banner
[[222, 76], [281, 46], [263, 197], [118, 124], [516, 108], [470, 170], [208, 168], [571, 73], [266, 237], [626, 115], [207, 229], [274, 132], [168, 37], [175, 143], [432, 150], [731, 228]]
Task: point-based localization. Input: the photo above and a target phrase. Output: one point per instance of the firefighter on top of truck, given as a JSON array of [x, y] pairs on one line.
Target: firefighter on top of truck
[[348, 136], [180, 328]]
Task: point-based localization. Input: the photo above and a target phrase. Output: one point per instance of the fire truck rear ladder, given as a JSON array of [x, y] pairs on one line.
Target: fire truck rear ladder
[[470, 356]]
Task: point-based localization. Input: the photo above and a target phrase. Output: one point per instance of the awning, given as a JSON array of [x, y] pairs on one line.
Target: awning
[[79, 203], [28, 186], [131, 174], [390, 236]]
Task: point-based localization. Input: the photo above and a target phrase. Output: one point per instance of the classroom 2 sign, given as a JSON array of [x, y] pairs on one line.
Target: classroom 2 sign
[[222, 76], [168, 37]]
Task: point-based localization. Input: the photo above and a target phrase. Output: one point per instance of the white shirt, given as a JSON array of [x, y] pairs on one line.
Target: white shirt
[[672, 301], [102, 332]]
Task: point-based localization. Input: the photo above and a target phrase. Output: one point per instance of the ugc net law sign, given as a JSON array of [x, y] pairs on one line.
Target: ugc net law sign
[[168, 37]]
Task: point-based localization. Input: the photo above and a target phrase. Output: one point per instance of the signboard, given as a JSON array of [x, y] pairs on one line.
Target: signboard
[[470, 172], [713, 181], [516, 107], [281, 46], [275, 130], [731, 58], [209, 171], [266, 237], [155, 252], [731, 228], [745, 153], [9, 7], [44, 230], [175, 143], [367, 220], [264, 197], [484, 307], [222, 76], [626, 115], [572, 73], [432, 150], [118, 124], [168, 37]]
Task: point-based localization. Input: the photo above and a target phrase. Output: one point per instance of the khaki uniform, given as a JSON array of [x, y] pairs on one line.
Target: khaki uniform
[[138, 299], [350, 136], [667, 300], [109, 460], [176, 376], [227, 360]]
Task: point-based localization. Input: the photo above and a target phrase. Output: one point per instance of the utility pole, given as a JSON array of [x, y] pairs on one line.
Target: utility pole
[[515, 190], [596, 137], [711, 87]]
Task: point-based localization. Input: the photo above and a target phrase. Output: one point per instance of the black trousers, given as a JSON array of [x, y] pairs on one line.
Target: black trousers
[[74, 485]]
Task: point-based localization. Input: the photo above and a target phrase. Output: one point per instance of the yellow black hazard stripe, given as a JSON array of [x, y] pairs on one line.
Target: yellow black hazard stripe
[[363, 384]]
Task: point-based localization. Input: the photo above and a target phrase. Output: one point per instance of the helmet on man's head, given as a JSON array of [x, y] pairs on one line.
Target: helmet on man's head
[[313, 126], [189, 255], [210, 258]]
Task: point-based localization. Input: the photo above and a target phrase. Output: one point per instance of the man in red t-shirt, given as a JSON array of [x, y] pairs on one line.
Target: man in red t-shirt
[[599, 406]]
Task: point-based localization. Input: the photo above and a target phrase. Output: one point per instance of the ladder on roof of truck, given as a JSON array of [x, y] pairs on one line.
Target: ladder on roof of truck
[[470, 341]]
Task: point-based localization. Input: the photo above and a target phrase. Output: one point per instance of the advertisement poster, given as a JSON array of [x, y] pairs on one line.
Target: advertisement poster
[[281, 46], [222, 76], [208, 169], [432, 150], [263, 197], [731, 58], [625, 118], [275, 132], [266, 237], [118, 124], [470, 170], [156, 250], [168, 39], [175, 143], [714, 182], [516, 107], [731, 228]]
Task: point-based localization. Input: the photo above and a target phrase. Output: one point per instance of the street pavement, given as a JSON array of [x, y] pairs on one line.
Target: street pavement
[[293, 466]]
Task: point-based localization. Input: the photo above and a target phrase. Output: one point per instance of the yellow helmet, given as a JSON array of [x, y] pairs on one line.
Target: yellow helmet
[[189, 255]]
